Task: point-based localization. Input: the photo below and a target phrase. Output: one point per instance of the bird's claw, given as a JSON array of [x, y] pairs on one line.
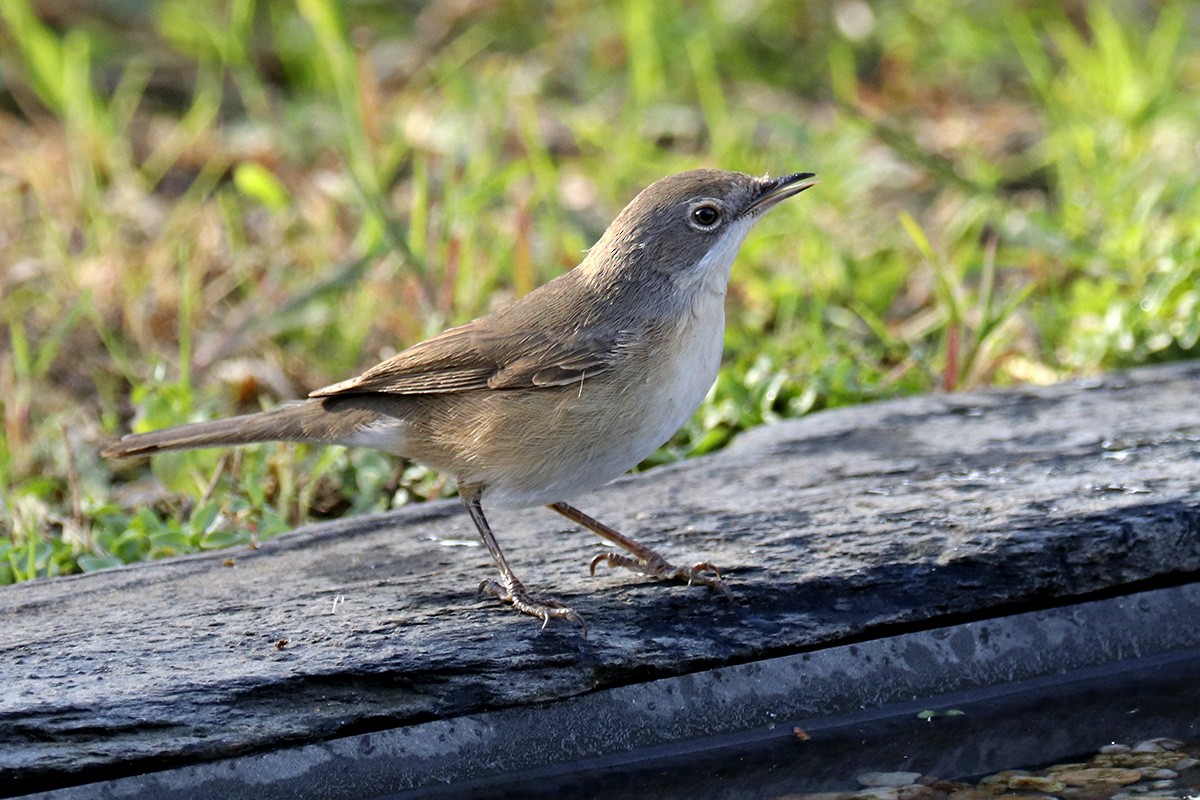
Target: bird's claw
[[654, 564], [518, 598]]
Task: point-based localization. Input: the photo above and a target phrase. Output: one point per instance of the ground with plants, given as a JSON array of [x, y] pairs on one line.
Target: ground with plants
[[208, 207]]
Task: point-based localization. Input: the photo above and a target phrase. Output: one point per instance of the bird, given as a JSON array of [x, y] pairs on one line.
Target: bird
[[558, 392]]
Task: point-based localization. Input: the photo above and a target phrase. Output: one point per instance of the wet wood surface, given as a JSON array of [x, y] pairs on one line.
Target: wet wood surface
[[842, 526]]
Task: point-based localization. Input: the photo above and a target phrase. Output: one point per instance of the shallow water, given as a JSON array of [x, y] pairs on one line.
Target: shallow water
[[1019, 725]]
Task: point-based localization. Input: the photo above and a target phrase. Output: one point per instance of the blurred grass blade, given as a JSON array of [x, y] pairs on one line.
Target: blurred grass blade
[[41, 51]]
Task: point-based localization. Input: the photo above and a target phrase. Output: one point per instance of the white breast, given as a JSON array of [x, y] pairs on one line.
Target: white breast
[[687, 375]]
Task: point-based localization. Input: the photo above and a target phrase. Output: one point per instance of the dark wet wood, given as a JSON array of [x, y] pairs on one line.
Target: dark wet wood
[[847, 524]]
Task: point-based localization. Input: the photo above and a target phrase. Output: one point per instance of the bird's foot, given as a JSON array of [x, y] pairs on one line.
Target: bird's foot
[[545, 610], [651, 563]]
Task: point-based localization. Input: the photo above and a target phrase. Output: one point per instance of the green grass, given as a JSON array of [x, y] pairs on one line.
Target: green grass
[[208, 207]]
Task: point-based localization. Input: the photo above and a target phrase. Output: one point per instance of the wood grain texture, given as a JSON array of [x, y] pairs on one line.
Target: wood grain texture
[[840, 526]]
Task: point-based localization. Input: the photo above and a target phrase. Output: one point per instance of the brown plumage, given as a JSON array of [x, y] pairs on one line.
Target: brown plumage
[[560, 391]]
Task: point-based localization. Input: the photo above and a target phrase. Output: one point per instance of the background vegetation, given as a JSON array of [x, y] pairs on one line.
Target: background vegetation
[[208, 207]]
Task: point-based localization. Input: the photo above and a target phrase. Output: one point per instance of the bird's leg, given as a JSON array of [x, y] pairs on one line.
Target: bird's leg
[[510, 589], [641, 559]]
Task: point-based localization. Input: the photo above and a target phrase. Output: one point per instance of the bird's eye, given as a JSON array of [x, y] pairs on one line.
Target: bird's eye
[[705, 216]]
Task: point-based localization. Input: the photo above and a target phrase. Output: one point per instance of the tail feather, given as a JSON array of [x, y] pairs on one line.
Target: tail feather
[[287, 423]]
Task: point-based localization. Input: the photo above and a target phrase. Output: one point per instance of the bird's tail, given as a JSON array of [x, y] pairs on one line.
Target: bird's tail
[[288, 423]]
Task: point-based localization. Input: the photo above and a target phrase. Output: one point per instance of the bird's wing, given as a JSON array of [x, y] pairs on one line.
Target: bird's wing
[[474, 356], [544, 362], [448, 362]]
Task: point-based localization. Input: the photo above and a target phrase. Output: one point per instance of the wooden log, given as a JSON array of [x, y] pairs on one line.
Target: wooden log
[[843, 526]]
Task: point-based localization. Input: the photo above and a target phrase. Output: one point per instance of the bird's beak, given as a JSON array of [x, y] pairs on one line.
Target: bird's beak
[[774, 190]]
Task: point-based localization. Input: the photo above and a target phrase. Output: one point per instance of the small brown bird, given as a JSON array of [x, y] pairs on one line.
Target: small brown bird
[[559, 392]]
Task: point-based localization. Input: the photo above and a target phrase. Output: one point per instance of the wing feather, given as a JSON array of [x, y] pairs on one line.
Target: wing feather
[[473, 356], [449, 362]]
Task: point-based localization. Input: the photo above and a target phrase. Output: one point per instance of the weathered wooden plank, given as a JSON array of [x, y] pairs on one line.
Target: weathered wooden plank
[[1064, 672], [842, 525]]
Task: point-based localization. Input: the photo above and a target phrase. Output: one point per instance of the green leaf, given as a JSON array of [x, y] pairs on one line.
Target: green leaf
[[260, 184], [219, 539], [91, 563], [204, 517]]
